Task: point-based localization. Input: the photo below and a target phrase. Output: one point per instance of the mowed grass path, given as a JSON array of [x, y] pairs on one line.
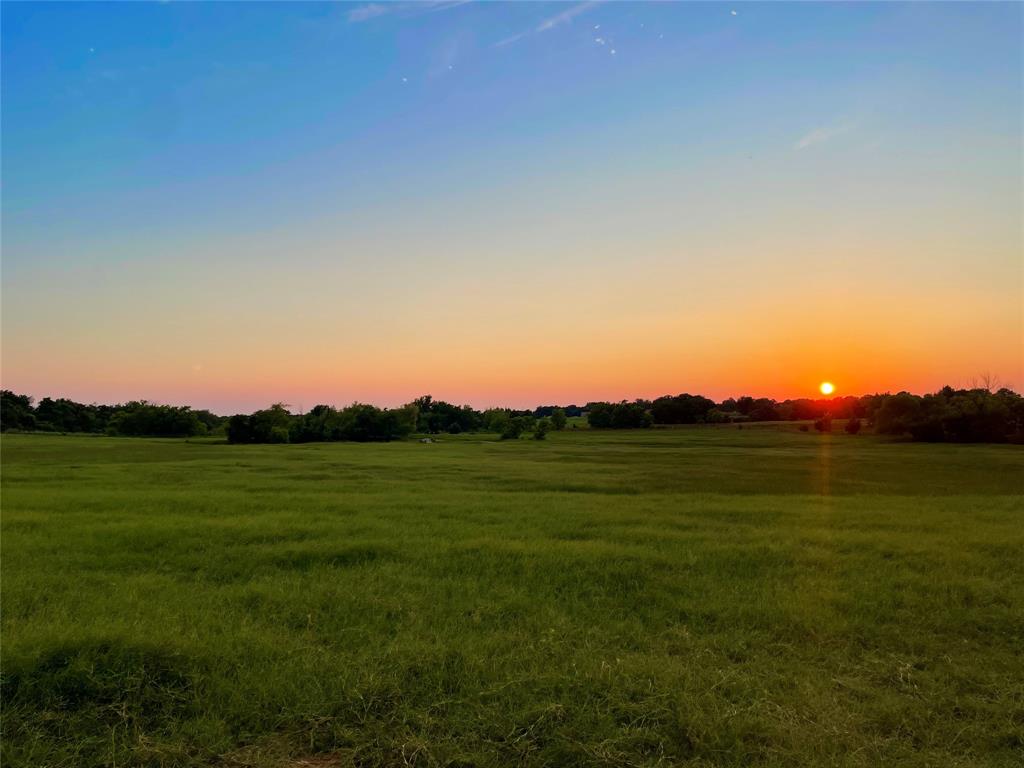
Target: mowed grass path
[[704, 597]]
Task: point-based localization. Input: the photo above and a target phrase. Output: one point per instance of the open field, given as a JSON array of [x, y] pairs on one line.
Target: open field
[[704, 596]]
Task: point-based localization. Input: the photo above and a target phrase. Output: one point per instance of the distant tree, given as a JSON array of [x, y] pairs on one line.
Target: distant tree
[[259, 426], [823, 424], [211, 421], [16, 411], [748, 408], [972, 416], [358, 422], [599, 415], [987, 381], [321, 422], [681, 409], [897, 414], [140, 418], [763, 409], [558, 419], [540, 429], [632, 415], [404, 420], [65, 415], [804, 408], [716, 416], [495, 419], [438, 416], [852, 426], [515, 427], [1015, 411], [624, 415]]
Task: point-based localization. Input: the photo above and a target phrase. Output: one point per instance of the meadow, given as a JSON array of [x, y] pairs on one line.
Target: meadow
[[692, 596]]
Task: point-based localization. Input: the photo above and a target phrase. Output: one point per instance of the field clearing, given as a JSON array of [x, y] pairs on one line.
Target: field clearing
[[695, 596]]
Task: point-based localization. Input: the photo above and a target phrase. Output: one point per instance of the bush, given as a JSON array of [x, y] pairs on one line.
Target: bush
[[715, 416], [540, 429], [514, 427], [824, 424], [852, 426], [558, 419]]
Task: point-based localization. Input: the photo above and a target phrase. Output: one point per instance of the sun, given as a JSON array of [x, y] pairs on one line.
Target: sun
[[827, 388]]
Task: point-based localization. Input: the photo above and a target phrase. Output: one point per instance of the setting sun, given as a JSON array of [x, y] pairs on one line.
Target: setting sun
[[827, 388]]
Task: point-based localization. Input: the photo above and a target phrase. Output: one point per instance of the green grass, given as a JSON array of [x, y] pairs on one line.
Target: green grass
[[704, 597]]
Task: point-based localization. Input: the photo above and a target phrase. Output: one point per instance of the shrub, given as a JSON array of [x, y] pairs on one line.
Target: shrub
[[514, 427], [852, 426], [558, 419], [540, 429], [824, 424], [715, 416]]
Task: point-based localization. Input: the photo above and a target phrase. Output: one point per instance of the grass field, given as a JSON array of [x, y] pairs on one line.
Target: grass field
[[704, 597]]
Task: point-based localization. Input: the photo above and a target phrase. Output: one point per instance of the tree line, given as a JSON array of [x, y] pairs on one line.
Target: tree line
[[949, 415], [367, 423], [133, 419]]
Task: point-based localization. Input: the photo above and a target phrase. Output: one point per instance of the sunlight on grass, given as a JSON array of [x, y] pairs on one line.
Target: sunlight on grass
[[711, 596]]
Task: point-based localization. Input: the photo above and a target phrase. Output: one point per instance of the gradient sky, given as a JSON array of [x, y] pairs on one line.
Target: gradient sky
[[231, 204]]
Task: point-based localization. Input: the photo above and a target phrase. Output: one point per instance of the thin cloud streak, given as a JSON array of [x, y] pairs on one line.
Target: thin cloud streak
[[445, 5], [566, 16], [374, 10], [550, 23], [367, 12], [821, 135]]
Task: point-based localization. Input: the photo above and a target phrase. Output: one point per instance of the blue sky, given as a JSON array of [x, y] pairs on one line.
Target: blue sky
[[158, 157]]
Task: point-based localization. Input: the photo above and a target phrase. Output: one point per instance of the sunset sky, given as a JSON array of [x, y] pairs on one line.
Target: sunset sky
[[228, 205]]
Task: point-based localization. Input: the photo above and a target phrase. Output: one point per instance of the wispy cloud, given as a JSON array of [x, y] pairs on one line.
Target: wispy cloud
[[821, 135], [557, 20], [367, 12], [509, 40], [373, 10], [565, 16], [444, 5]]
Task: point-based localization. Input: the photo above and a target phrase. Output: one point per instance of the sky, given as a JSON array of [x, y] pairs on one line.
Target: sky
[[233, 204]]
